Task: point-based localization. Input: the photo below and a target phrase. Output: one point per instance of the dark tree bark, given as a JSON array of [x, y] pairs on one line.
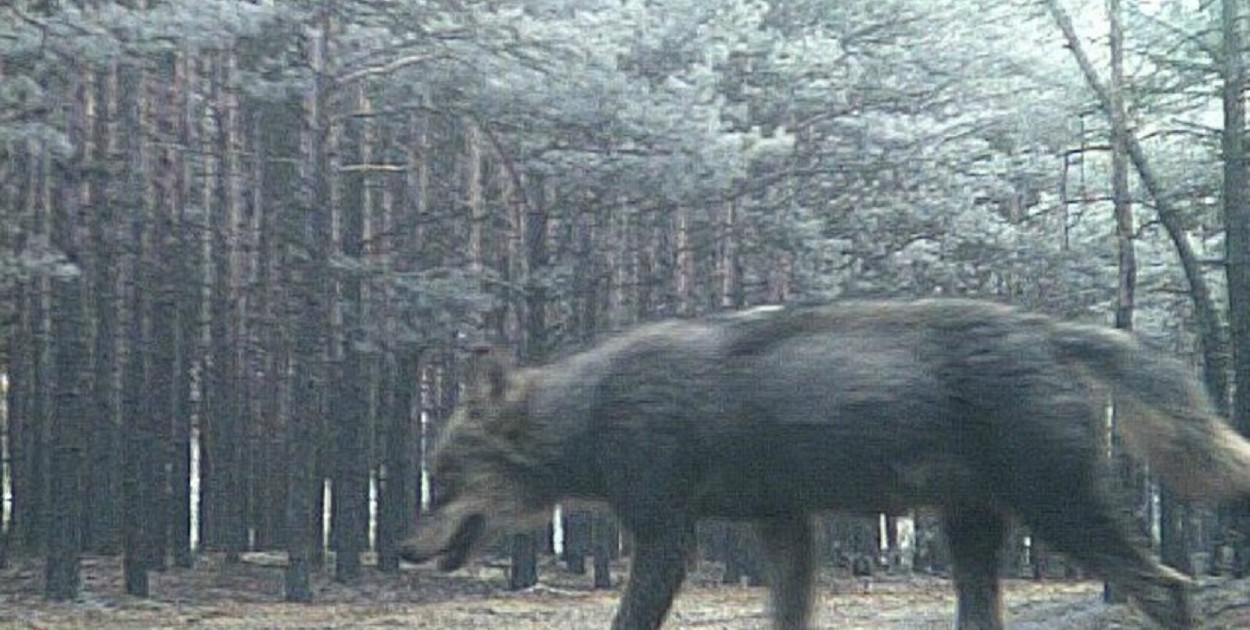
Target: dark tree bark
[[209, 306], [10, 346], [524, 567], [400, 401], [1236, 198], [276, 176], [39, 435], [216, 451], [18, 347], [225, 387], [5, 479], [1123, 202], [135, 454], [606, 538], [68, 433], [350, 451], [102, 530], [184, 284], [400, 479], [23, 346], [160, 362], [577, 543], [180, 405], [61, 575], [137, 484], [25, 424], [523, 571], [31, 491], [309, 313], [398, 396], [299, 434]]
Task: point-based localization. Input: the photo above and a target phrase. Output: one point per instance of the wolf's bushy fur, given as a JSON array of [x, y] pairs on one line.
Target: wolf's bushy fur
[[977, 410]]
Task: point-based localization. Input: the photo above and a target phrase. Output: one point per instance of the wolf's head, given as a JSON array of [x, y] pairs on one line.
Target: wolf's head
[[481, 471]]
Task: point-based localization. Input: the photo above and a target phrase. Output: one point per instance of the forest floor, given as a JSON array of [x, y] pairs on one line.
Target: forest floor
[[248, 596]]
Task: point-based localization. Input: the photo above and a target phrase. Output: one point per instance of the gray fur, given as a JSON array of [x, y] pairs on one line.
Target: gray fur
[[976, 410]]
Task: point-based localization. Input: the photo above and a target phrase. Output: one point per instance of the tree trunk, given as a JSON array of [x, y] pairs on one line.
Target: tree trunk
[[684, 263], [1211, 333], [12, 348], [1127, 285], [61, 575], [4, 517], [68, 429], [198, 179], [299, 434], [20, 348], [577, 524], [102, 529], [606, 537], [227, 385], [276, 176], [621, 262], [1237, 240], [183, 284], [350, 507], [577, 543], [157, 316], [32, 386], [400, 481], [399, 397], [5, 449], [1130, 472], [208, 315], [38, 444], [532, 226], [310, 263], [136, 484]]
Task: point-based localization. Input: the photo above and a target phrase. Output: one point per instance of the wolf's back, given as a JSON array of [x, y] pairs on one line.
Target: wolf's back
[[1163, 413]]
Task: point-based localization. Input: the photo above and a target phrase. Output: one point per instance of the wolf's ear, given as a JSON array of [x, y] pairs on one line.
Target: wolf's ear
[[488, 372]]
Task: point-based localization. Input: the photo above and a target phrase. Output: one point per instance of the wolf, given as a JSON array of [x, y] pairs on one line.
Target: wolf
[[978, 411]]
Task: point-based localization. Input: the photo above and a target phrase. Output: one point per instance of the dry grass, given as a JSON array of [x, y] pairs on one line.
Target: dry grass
[[248, 595]]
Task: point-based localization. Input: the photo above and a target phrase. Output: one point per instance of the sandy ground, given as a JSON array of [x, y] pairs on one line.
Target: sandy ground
[[249, 595]]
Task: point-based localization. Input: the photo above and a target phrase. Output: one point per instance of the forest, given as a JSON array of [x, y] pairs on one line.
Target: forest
[[245, 244]]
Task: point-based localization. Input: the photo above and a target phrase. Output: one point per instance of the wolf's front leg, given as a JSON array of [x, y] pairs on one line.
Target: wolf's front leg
[[787, 541], [656, 572], [976, 536]]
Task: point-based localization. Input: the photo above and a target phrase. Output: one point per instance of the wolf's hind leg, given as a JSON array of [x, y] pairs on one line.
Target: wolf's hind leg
[[1083, 525]]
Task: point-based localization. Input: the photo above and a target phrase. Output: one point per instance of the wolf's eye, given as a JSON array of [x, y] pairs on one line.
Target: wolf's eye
[[475, 414]]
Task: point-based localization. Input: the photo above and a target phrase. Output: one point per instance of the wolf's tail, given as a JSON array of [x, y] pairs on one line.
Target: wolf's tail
[[1164, 414]]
